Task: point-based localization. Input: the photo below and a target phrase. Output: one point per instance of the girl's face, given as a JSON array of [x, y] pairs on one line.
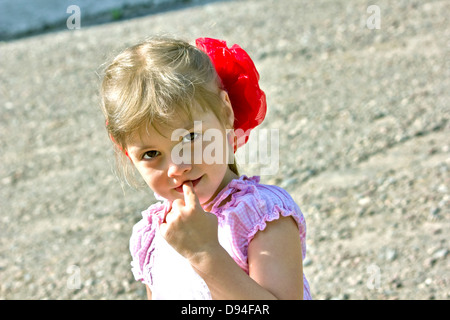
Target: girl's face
[[167, 157]]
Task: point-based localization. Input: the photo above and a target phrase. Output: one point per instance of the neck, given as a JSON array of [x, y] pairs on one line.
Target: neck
[[229, 175]]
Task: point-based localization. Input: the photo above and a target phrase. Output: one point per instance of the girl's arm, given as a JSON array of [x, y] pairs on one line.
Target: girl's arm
[[275, 259], [274, 254], [149, 293]]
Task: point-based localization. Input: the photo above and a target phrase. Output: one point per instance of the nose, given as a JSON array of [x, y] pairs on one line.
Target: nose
[[177, 170]]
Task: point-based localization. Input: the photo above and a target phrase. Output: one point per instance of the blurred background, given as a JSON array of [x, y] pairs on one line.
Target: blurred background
[[358, 91]]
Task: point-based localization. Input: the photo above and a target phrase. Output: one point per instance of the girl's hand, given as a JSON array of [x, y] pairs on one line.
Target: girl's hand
[[188, 228], [275, 256]]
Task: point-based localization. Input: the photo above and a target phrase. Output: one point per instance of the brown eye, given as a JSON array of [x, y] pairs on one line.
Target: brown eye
[[150, 154]]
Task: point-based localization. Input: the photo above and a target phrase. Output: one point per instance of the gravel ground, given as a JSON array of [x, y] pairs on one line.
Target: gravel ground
[[363, 116]]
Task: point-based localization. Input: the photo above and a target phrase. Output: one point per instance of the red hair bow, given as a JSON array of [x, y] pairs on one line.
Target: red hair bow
[[240, 79]]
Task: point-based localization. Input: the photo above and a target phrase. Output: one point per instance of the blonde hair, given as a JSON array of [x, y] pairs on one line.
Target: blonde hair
[[152, 82]]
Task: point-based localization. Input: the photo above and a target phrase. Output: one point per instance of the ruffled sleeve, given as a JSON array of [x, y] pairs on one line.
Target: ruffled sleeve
[[251, 207], [142, 245]]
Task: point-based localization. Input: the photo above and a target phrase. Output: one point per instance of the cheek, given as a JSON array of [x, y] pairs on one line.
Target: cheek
[[142, 171], [216, 172], [150, 176]]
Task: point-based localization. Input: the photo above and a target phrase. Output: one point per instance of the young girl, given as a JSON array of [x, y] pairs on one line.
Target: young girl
[[174, 111]]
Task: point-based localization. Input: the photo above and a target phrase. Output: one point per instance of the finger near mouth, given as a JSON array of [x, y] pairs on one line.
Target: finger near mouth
[[194, 183]]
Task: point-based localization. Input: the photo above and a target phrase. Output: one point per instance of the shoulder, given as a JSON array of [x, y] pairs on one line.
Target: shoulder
[[251, 207], [253, 204], [249, 189], [141, 240]]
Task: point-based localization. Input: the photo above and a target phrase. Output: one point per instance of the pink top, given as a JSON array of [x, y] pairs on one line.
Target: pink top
[[170, 276]]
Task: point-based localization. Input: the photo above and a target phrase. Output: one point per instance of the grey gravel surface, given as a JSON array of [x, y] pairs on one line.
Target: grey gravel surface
[[363, 121]]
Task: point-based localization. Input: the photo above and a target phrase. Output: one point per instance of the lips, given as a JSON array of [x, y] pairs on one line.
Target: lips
[[194, 183]]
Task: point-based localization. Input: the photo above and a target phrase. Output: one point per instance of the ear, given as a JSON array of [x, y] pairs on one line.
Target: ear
[[228, 111]]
